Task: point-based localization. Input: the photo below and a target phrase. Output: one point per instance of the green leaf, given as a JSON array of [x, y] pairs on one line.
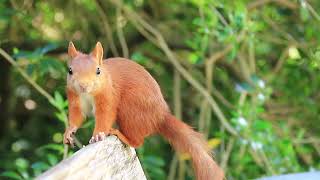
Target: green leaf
[[154, 161], [157, 173], [293, 53], [199, 3], [52, 66], [21, 163], [61, 116], [234, 51], [139, 58], [11, 174], [58, 101], [52, 159], [40, 166], [87, 124], [47, 48], [56, 147], [193, 58], [262, 125], [58, 98]]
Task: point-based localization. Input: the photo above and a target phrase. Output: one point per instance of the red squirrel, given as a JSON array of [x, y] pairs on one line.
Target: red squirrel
[[122, 91]]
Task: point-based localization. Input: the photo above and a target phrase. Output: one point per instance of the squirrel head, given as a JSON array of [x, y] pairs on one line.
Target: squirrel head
[[86, 73]]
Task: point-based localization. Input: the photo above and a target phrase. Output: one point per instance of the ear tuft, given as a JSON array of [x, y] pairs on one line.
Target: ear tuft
[[97, 52], [72, 51]]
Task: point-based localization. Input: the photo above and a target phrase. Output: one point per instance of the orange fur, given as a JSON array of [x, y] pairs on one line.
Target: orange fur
[[74, 109], [126, 93]]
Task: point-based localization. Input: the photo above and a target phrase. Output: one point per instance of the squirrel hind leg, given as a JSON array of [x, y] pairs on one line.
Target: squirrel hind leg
[[124, 139], [136, 144]]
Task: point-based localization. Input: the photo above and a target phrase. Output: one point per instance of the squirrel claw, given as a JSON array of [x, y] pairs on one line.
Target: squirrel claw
[[68, 136], [70, 141], [98, 137]]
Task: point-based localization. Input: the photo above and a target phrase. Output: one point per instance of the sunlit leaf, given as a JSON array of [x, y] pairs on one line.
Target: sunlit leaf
[[184, 156], [21, 163], [293, 53], [213, 143]]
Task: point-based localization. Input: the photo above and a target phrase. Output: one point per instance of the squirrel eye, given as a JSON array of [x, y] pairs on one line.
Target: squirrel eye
[[98, 71], [70, 71]]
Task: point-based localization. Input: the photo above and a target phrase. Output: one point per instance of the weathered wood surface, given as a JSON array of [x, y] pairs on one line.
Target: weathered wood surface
[[108, 159]]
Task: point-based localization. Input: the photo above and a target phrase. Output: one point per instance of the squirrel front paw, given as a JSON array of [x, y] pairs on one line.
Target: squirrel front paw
[[98, 137], [68, 136]]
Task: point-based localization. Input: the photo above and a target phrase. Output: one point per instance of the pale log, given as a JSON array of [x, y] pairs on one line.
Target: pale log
[[109, 159]]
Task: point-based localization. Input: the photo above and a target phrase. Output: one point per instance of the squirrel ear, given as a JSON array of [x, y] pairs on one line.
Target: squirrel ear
[[97, 52], [72, 51]]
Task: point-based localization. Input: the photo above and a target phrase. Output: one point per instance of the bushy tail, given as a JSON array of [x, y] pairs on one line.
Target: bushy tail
[[186, 140]]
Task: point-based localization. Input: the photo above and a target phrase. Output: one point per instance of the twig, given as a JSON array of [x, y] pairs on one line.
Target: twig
[[244, 68], [316, 147], [65, 151], [307, 141], [266, 161], [220, 16], [222, 99], [256, 157], [173, 167], [252, 60], [178, 114], [313, 12], [204, 111], [274, 26], [242, 98], [120, 35], [205, 119], [226, 155], [258, 3], [177, 94], [77, 142], [242, 151], [182, 169], [107, 29], [146, 34], [281, 60]]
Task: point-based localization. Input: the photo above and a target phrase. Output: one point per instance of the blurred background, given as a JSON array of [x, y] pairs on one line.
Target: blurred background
[[245, 73]]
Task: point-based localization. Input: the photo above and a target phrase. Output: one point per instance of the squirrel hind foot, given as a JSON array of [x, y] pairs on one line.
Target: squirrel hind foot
[[98, 137]]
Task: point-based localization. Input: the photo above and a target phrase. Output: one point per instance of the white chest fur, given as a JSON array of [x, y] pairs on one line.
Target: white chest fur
[[87, 104]]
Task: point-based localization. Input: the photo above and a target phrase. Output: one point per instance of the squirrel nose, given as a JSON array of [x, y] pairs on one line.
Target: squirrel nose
[[83, 86]]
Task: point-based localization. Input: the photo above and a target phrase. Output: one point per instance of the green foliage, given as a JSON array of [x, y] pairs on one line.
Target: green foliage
[[265, 81]]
